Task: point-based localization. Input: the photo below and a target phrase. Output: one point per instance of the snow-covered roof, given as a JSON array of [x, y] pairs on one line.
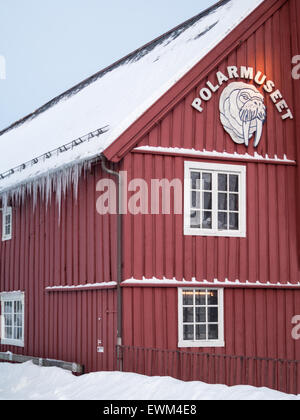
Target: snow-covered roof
[[114, 97]]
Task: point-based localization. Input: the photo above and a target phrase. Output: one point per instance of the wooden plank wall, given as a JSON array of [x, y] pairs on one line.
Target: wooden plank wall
[[155, 246], [258, 322], [78, 249]]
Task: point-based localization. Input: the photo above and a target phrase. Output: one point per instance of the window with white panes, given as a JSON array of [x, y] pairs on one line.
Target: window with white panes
[[6, 224], [200, 318], [12, 318], [215, 199]]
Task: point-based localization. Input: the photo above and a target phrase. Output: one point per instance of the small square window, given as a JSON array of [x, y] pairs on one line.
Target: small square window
[[200, 318]]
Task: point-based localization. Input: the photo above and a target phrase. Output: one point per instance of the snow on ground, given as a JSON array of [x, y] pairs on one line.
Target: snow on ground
[[29, 382]]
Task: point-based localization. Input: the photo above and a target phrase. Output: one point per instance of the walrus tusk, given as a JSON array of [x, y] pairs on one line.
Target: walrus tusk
[[246, 128], [259, 129]]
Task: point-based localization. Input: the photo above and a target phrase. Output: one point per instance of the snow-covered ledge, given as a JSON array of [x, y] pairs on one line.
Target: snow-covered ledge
[[215, 155], [155, 282], [82, 287]]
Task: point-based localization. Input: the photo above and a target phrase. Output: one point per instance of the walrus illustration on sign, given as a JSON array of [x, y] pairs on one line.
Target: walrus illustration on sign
[[242, 112]]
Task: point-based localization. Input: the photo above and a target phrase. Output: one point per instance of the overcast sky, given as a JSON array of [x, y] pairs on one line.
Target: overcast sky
[[50, 45]]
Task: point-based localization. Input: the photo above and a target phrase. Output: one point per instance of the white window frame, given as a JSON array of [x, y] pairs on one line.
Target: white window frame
[[6, 212], [12, 297], [215, 169], [201, 343]]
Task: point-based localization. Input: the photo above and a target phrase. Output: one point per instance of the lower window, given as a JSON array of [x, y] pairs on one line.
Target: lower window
[[200, 318], [12, 318]]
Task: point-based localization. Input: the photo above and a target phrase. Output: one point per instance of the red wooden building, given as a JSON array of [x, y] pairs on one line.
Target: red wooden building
[[203, 287]]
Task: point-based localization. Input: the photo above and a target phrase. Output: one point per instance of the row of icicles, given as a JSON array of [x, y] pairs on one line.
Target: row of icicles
[[53, 182]]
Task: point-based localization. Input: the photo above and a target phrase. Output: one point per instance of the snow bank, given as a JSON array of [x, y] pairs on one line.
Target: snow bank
[[30, 382]]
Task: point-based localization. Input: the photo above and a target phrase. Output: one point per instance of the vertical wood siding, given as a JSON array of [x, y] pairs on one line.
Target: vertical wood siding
[[257, 322], [295, 51], [155, 246], [79, 249], [269, 253], [257, 325]]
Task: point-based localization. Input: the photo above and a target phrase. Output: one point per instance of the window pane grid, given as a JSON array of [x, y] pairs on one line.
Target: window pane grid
[[215, 201], [12, 319], [201, 318], [7, 224], [228, 201], [201, 200]]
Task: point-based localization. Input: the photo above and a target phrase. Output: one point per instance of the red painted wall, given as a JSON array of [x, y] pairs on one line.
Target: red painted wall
[[269, 253], [257, 322], [257, 325], [155, 246], [78, 249], [295, 50]]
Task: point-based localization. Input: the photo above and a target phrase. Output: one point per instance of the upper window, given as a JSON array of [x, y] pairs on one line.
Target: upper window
[[214, 199], [6, 224], [200, 318], [12, 318]]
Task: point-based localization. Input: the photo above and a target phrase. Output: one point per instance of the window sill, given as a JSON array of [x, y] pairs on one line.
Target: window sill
[[8, 238], [221, 234], [211, 343], [8, 342]]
